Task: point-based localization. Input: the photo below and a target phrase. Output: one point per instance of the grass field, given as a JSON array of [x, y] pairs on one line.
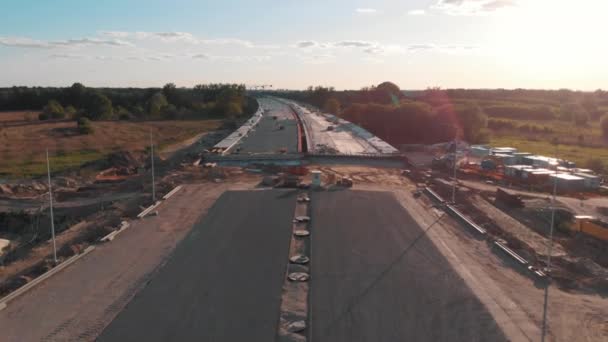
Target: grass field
[[22, 148], [578, 154], [593, 145], [27, 115]]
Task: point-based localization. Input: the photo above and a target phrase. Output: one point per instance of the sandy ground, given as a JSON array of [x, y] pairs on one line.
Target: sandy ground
[[512, 298], [585, 207], [366, 289], [534, 240], [79, 302]]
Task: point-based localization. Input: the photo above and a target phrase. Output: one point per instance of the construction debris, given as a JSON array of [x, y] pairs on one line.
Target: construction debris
[[513, 201], [298, 276]]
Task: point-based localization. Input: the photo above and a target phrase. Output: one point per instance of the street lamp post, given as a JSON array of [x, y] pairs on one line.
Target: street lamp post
[[48, 169], [549, 251], [455, 167], [152, 161]]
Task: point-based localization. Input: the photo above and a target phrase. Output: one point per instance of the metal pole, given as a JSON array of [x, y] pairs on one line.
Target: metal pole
[[48, 169], [550, 250], [152, 160], [454, 179]]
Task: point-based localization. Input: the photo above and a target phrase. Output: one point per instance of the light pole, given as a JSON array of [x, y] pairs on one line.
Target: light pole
[[454, 178], [550, 250], [48, 169], [152, 161]]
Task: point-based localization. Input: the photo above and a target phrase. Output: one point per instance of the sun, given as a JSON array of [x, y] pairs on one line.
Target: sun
[[550, 36]]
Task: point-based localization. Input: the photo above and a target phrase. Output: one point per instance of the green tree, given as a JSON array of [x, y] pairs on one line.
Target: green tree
[[98, 107], [75, 95], [387, 92], [52, 110], [171, 94], [123, 113], [85, 126], [604, 126], [472, 121], [156, 104], [70, 111], [332, 106], [230, 102], [574, 112]]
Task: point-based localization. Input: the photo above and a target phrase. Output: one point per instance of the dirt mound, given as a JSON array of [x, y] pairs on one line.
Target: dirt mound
[[124, 159]]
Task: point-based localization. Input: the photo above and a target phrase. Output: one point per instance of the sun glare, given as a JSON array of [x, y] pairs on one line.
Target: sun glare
[[545, 35]]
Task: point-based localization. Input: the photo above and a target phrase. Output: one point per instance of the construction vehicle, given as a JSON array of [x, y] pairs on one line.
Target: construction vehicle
[[345, 182], [591, 226]]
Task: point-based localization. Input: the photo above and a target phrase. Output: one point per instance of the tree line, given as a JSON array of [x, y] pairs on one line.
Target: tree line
[[387, 112], [169, 102], [434, 115]]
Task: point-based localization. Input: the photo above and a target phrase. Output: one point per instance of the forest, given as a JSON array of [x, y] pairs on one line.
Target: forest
[[169, 102]]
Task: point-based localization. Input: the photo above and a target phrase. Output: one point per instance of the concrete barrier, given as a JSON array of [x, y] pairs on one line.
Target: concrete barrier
[[148, 210], [23, 289], [172, 192], [467, 222], [113, 234], [433, 195]]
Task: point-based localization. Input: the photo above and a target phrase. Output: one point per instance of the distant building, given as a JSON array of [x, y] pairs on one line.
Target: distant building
[[504, 150], [541, 161], [590, 181], [567, 181], [480, 151]]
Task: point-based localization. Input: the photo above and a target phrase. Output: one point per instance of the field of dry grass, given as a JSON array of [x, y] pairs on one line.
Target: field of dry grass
[[11, 116], [22, 148]]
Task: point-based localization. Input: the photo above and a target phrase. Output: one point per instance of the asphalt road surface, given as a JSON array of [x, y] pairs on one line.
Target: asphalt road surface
[[223, 282], [267, 137], [357, 296]]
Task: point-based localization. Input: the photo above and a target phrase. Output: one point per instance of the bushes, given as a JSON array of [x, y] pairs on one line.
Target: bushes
[[520, 112], [332, 106], [604, 126], [85, 126], [596, 165], [52, 110], [500, 124]]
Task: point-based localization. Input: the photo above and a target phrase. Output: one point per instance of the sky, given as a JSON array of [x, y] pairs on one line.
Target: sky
[[540, 44]]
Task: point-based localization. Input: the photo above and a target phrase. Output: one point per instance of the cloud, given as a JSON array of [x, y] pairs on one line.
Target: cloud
[[21, 42], [473, 7], [353, 43], [366, 10], [306, 43], [184, 37], [114, 34], [381, 49], [201, 56], [374, 50], [417, 12], [66, 56], [415, 47], [24, 42], [90, 41]]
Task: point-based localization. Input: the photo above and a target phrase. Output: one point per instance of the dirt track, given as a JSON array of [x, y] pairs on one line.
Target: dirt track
[[223, 282], [356, 236]]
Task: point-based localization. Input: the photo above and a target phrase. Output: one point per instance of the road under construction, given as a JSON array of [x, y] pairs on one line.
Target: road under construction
[[347, 252]]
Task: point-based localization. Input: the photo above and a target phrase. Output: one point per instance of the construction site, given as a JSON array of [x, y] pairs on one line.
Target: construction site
[[301, 226]]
